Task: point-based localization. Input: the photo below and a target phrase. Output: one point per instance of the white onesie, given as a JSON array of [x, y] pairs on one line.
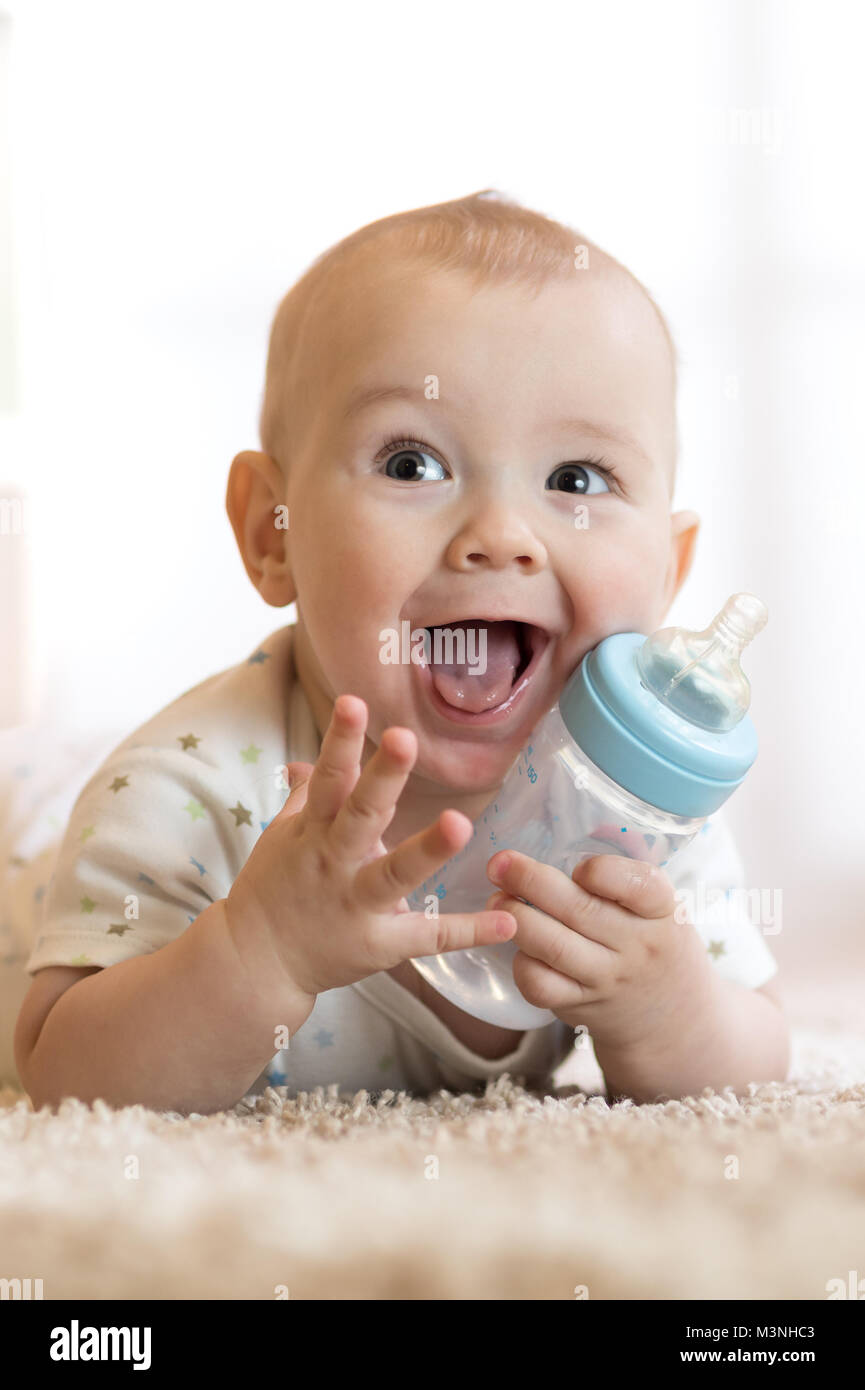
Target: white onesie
[[166, 823]]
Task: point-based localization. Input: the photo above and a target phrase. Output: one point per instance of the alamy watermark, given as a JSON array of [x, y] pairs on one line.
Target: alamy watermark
[[448, 646], [851, 1287], [760, 127], [13, 516], [720, 907], [20, 1289]]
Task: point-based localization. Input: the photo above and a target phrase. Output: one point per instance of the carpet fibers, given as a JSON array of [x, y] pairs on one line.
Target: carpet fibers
[[507, 1194]]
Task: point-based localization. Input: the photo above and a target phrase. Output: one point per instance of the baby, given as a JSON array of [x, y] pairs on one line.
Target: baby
[[446, 389]]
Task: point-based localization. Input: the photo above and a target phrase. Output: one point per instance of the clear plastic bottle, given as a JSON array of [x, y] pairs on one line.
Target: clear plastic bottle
[[650, 736]]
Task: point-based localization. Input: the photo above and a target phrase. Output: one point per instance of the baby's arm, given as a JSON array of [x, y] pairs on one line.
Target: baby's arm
[[317, 905], [740, 1035], [189, 1027]]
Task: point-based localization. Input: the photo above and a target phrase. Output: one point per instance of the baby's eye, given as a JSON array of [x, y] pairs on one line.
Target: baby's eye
[[574, 477], [413, 465]]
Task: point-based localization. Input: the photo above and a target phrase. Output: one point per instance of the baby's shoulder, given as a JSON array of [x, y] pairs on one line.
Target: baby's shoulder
[[251, 695], [231, 730]]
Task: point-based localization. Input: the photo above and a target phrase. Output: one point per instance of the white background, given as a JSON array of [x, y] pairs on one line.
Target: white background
[[176, 166]]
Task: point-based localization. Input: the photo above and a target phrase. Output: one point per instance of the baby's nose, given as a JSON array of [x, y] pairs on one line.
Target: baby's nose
[[497, 539]]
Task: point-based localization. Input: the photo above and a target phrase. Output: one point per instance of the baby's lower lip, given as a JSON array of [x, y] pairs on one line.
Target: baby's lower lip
[[500, 713]]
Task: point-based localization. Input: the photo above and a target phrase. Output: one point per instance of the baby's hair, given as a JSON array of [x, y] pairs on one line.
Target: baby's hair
[[487, 235]]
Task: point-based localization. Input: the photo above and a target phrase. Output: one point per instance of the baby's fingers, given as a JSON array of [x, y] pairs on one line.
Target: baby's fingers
[[338, 766], [369, 810], [379, 884], [414, 934], [641, 888]]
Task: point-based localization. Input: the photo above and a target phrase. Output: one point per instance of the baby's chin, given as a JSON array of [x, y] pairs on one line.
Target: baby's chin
[[465, 768], [458, 757]]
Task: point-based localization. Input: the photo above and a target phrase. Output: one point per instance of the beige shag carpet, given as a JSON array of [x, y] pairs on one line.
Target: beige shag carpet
[[335, 1197]]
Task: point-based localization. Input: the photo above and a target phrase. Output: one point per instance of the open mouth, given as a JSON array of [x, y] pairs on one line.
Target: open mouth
[[479, 669]]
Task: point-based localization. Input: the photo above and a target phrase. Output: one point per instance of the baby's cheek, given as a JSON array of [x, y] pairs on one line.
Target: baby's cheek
[[617, 584]]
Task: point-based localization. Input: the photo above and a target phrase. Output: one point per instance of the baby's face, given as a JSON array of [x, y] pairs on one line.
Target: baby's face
[[494, 502]]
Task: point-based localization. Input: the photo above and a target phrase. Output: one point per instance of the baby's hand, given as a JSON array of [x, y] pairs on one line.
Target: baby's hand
[[603, 948], [320, 883]]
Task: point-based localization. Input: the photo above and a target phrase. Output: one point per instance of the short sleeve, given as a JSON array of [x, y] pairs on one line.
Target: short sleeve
[[732, 919], [166, 823], [154, 838]]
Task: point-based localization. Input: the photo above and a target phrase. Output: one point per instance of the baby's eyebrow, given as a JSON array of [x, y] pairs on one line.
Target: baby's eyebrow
[[368, 395], [613, 433]]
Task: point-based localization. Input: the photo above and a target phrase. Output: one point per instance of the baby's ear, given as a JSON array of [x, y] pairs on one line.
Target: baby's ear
[[683, 539], [255, 502]]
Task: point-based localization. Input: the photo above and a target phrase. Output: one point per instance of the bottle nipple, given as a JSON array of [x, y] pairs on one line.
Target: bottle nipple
[[697, 674]]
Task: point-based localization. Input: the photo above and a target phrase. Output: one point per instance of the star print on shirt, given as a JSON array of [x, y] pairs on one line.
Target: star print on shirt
[[258, 657], [200, 867], [88, 831], [188, 740], [118, 928], [118, 783], [241, 815], [195, 809], [716, 949], [87, 904], [250, 754], [324, 1038]]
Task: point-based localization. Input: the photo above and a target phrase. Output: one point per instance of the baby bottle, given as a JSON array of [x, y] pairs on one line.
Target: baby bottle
[[649, 737]]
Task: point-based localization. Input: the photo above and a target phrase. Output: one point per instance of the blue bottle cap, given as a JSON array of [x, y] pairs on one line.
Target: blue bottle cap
[[644, 745]]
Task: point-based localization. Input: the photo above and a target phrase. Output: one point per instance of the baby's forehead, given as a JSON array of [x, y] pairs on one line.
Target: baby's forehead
[[371, 295]]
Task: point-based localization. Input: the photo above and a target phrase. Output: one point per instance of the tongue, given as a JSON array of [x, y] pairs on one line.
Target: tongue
[[469, 684]]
